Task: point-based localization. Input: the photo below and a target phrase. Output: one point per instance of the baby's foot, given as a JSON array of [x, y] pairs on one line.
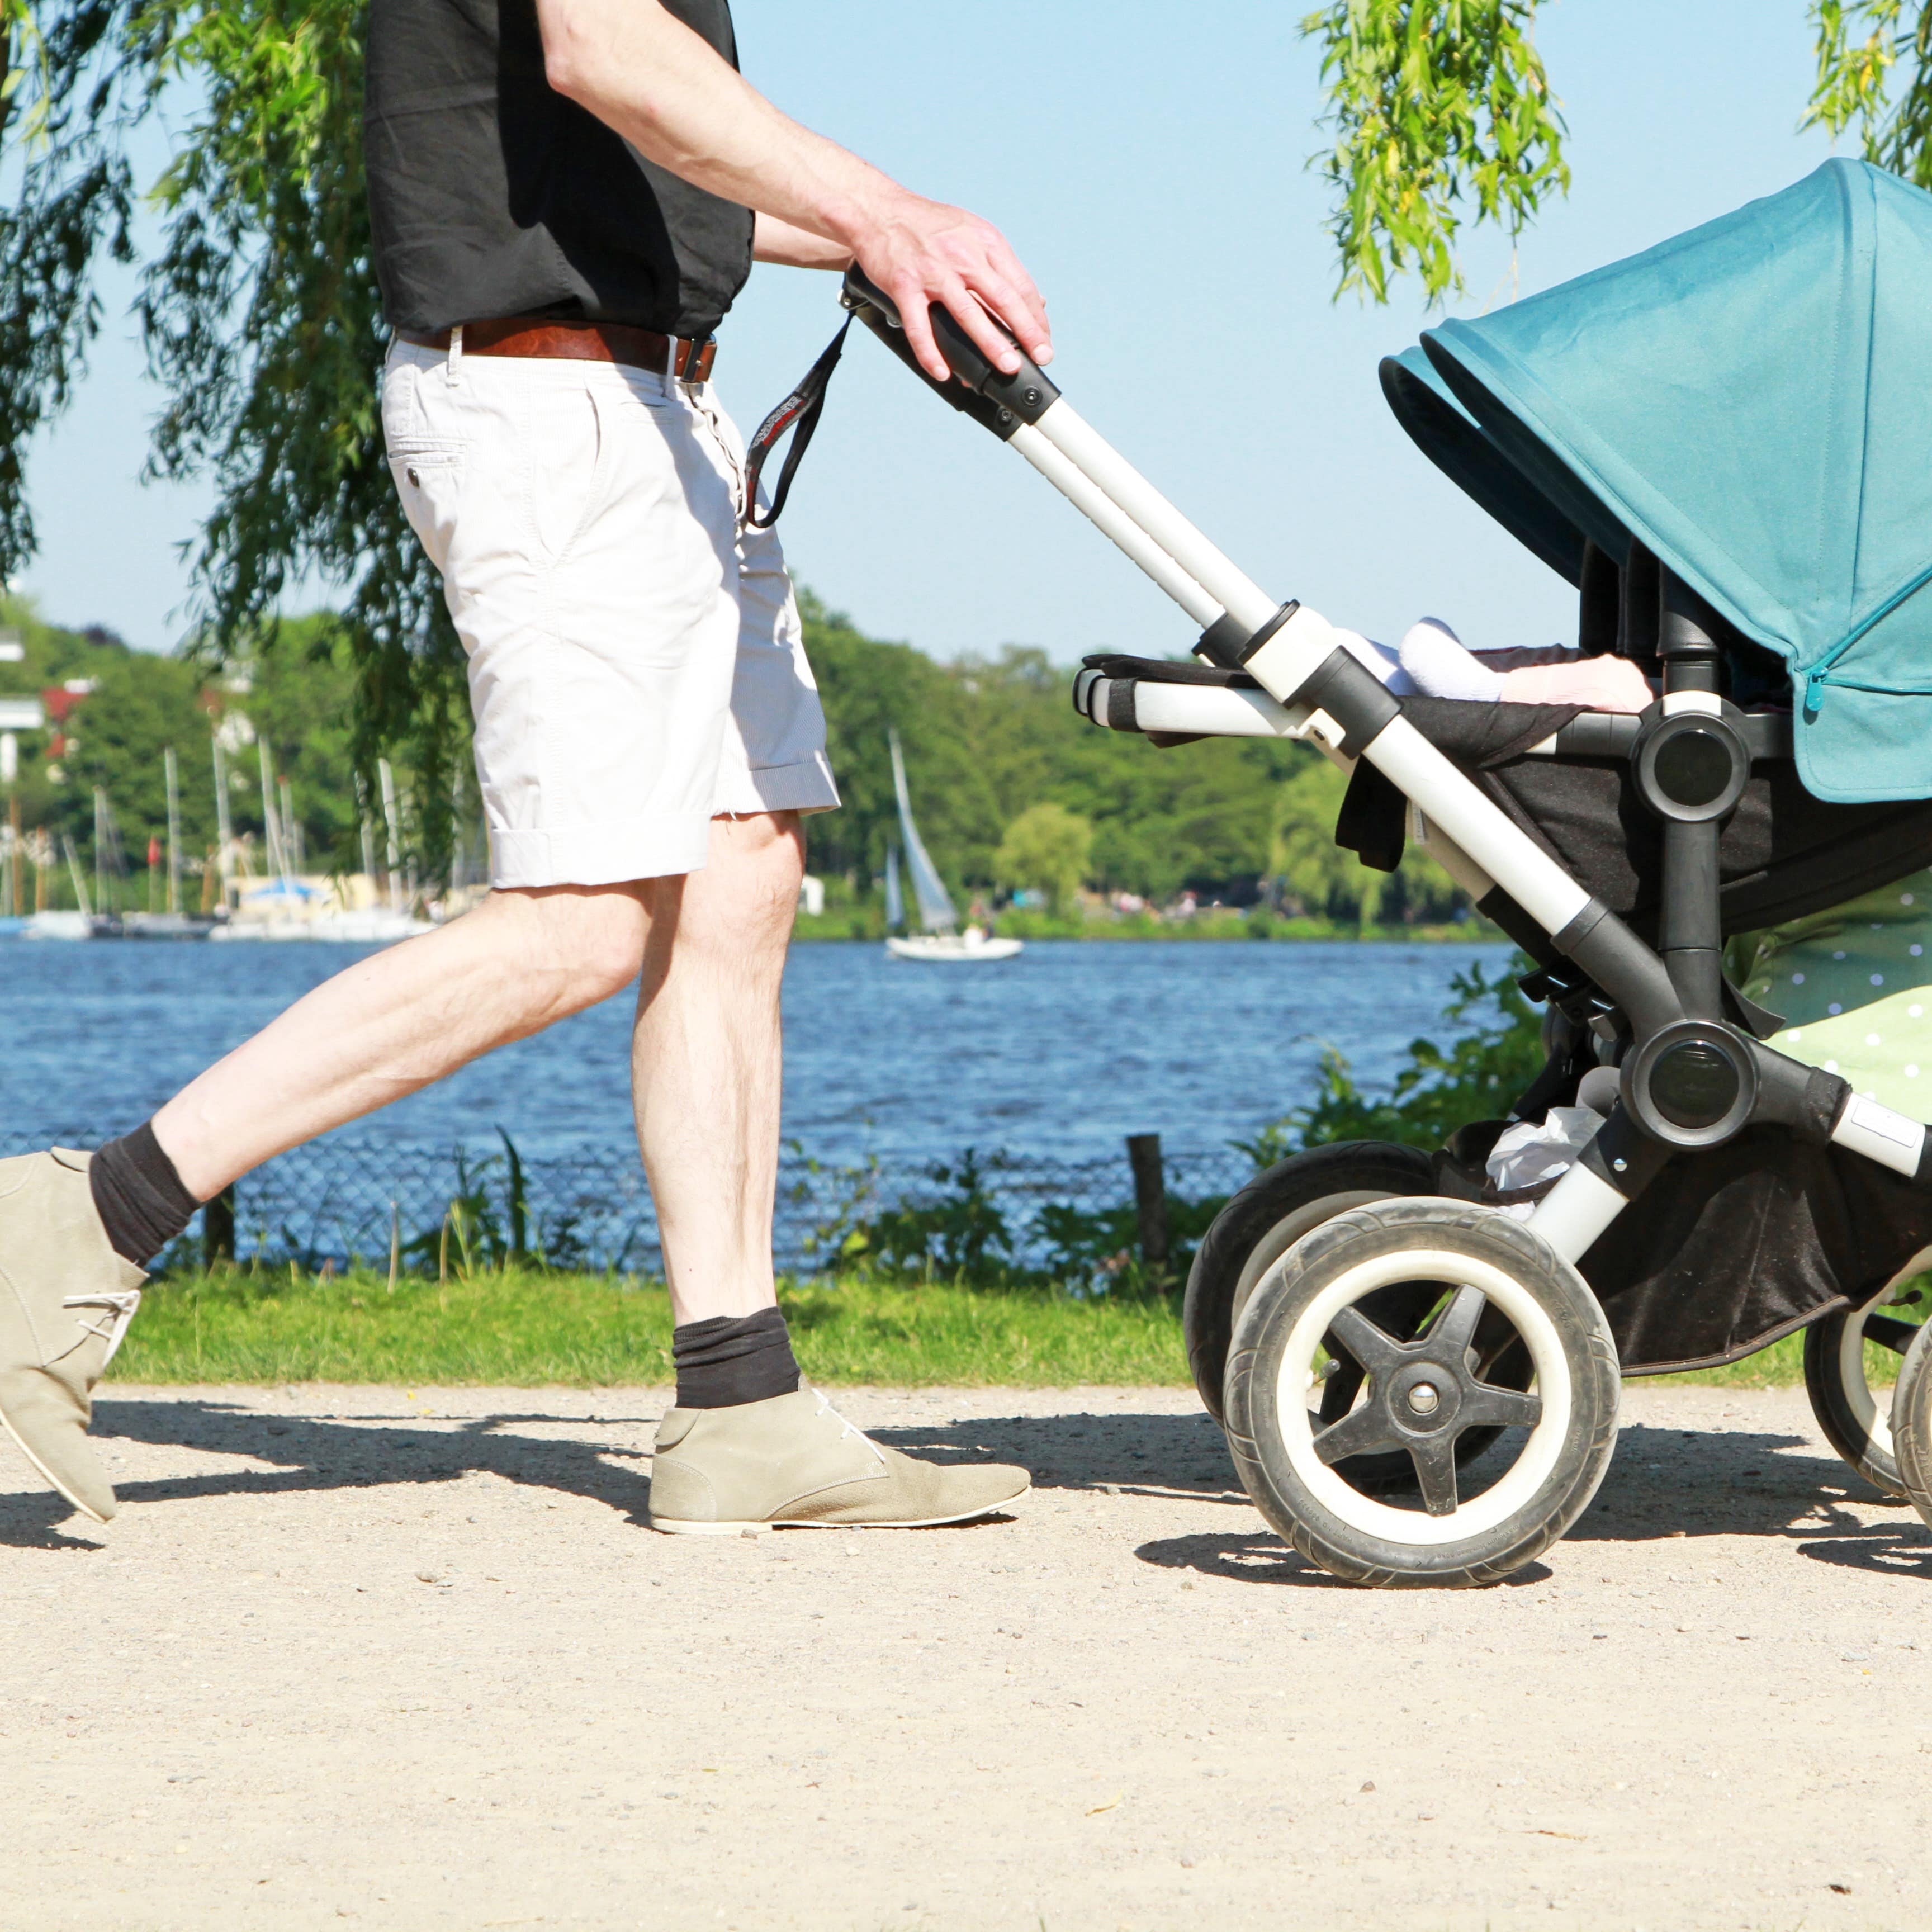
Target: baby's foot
[[1598, 684], [1435, 658]]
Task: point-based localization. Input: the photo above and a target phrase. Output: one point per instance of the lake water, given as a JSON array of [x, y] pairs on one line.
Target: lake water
[[1055, 1055]]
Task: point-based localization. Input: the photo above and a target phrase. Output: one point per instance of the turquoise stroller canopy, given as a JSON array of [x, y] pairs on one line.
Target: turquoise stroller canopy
[[1753, 403]]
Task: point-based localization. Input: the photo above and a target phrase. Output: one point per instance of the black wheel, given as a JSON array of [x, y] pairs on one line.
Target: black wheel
[[1420, 1397], [1265, 1220], [1837, 1375], [1912, 1424]]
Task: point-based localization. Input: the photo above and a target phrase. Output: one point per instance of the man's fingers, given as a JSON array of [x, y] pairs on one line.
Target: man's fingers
[[972, 314], [912, 301], [1010, 308], [1010, 292]]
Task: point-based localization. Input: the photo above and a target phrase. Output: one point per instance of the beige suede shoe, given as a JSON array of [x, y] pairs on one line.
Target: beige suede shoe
[[795, 1463], [66, 1299]]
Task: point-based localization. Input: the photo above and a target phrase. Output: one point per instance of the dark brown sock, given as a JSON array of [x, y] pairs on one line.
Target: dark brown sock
[[726, 1360], [139, 1196]]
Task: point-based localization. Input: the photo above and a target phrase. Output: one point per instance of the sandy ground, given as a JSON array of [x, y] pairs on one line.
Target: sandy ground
[[413, 1661]]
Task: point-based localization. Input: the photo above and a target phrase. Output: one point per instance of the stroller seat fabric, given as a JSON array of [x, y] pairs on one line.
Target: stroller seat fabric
[[1785, 854], [1854, 985]]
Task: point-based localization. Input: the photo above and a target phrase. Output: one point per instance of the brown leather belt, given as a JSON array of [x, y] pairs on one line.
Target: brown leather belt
[[578, 342]]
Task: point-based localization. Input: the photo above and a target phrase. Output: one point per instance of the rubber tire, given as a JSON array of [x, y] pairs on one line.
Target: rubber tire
[[1367, 1233], [1912, 1424], [1265, 1220], [1824, 1382]]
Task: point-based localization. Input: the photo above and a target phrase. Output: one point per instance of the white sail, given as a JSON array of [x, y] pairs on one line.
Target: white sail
[[936, 912], [895, 900]]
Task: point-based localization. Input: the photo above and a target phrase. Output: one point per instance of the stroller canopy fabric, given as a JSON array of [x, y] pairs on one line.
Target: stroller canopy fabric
[[1753, 402]]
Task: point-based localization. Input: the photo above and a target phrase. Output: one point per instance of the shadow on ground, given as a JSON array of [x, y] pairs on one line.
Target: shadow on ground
[[1664, 1484]]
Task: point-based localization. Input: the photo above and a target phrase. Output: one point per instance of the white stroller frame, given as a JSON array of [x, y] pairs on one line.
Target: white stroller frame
[[1693, 1078]]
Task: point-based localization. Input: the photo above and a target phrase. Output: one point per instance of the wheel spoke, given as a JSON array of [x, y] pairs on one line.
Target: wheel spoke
[[1340, 1387], [1503, 1408], [1455, 1328], [1361, 1433], [1889, 1332], [1434, 1460], [1376, 1349]]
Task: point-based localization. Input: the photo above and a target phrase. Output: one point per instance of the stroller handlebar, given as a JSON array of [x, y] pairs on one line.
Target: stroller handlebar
[[992, 398]]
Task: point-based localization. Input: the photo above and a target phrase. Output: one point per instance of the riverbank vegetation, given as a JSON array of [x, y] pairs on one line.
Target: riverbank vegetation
[[1070, 831], [523, 1327]]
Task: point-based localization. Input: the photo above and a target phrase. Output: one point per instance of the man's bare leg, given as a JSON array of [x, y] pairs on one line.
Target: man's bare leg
[[706, 1062], [402, 1018]]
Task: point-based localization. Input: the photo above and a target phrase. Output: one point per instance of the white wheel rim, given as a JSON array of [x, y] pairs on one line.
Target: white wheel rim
[[1504, 1497], [1853, 1382]]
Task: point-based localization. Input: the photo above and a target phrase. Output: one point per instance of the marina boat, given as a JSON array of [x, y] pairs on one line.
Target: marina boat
[[57, 925], [940, 938], [372, 926]]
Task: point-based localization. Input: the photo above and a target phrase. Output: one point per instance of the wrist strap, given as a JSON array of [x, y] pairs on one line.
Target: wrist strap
[[801, 410]]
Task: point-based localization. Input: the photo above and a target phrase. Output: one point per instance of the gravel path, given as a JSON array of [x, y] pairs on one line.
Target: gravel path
[[412, 1661]]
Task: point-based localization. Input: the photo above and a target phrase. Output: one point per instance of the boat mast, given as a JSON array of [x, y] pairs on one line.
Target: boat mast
[[395, 850], [74, 873], [173, 774], [224, 828]]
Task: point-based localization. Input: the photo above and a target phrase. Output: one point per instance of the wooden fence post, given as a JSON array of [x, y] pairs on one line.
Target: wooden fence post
[[217, 1228], [1149, 1197]]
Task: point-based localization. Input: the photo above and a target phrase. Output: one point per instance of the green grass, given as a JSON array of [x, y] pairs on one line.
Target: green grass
[[524, 1327]]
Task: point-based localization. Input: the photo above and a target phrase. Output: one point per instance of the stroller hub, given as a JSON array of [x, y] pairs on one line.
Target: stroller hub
[[1691, 767], [1692, 1084]]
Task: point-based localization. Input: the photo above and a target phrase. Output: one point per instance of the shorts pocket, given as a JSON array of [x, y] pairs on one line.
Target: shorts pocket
[[567, 440], [429, 478]]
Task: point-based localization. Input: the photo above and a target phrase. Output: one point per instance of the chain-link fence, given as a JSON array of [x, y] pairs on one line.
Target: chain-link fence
[[350, 1202]]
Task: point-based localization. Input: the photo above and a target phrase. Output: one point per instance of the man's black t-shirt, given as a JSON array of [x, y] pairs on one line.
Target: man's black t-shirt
[[490, 194]]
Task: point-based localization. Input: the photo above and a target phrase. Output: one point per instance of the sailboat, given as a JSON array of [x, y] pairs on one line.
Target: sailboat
[[940, 939]]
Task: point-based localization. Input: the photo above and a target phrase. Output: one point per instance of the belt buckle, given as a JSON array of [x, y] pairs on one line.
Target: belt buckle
[[687, 357]]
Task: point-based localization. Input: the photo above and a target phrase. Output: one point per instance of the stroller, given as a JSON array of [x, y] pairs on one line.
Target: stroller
[[1722, 444]]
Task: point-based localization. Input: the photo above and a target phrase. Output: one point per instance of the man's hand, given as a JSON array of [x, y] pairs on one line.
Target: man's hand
[[647, 75], [920, 252]]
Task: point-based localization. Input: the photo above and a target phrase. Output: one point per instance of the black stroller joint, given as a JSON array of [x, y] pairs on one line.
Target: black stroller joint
[[1417, 1366]]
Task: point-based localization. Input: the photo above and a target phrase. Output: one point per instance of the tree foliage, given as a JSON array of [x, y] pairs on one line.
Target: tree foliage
[[1442, 105], [299, 699], [1858, 80], [1436, 105], [261, 318], [1046, 849], [987, 743]]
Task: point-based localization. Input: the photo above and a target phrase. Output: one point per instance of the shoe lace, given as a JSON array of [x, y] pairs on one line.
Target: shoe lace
[[845, 1428], [117, 1309]]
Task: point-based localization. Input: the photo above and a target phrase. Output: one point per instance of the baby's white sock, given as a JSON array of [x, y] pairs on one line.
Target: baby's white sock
[[1434, 657], [1378, 658]]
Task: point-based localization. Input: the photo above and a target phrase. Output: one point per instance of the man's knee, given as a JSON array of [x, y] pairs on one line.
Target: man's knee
[[759, 856], [747, 894], [585, 942]]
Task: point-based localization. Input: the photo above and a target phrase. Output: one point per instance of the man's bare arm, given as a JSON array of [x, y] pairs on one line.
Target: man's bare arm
[[648, 76], [790, 246]]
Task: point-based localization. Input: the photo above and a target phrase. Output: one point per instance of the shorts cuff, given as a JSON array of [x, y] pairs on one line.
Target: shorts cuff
[[806, 786], [608, 854]]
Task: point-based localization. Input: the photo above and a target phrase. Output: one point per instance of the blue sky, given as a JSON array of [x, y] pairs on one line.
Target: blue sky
[[1148, 163]]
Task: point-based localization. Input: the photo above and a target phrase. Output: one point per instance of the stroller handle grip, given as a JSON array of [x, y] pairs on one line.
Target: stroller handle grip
[[1003, 402]]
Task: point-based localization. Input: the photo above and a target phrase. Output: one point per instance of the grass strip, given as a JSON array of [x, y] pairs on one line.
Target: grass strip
[[524, 1327]]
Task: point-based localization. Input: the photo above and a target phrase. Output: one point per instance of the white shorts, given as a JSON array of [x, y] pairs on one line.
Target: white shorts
[[636, 664]]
